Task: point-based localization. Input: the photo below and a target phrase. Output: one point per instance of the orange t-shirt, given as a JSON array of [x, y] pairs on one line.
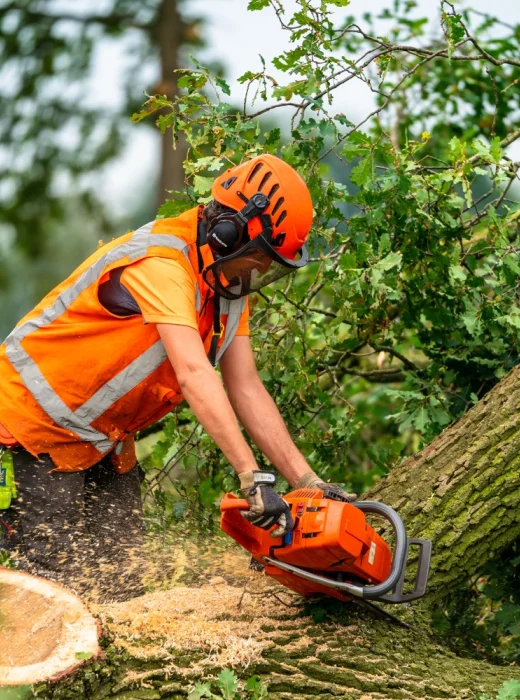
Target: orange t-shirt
[[165, 293]]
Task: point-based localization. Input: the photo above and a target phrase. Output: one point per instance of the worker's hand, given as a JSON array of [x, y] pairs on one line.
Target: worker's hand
[[266, 507], [310, 480]]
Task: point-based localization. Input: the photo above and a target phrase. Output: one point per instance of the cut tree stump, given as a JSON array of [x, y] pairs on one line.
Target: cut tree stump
[[46, 632]]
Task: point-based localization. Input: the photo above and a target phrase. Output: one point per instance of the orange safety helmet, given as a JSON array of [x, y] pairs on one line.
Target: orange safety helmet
[[262, 233]]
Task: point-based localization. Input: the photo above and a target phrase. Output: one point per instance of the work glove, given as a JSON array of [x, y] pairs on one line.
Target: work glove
[[266, 507], [310, 480]]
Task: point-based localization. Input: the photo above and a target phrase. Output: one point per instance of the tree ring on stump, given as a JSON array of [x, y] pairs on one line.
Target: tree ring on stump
[[46, 632]]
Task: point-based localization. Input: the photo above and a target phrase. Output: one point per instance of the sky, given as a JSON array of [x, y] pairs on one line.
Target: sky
[[236, 37]]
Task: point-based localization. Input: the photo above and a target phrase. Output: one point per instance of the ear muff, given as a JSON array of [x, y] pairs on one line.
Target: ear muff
[[230, 229], [223, 237]]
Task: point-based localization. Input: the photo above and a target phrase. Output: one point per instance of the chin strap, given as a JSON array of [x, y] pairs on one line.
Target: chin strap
[[217, 331]]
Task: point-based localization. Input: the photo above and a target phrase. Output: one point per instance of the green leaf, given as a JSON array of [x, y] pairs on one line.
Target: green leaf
[[458, 273], [495, 149], [384, 243], [510, 690], [257, 4], [228, 683], [471, 320], [202, 185], [201, 690], [174, 207], [223, 86], [511, 262], [421, 419], [83, 655], [454, 30], [362, 172], [255, 686], [391, 260]]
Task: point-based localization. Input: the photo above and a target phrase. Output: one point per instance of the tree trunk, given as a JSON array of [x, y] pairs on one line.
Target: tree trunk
[[170, 37], [462, 492]]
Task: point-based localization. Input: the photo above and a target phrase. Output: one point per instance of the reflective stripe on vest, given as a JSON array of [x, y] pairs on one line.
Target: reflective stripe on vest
[[79, 421], [234, 310]]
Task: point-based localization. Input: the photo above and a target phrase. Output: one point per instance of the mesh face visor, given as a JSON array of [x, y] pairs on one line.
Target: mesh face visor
[[250, 268]]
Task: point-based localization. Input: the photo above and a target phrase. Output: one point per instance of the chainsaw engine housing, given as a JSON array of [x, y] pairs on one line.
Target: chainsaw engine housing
[[332, 549]]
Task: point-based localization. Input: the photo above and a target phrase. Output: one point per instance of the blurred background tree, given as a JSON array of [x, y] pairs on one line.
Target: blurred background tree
[[56, 140]]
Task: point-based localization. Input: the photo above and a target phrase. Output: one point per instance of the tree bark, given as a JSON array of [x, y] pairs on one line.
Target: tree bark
[[462, 492], [170, 37]]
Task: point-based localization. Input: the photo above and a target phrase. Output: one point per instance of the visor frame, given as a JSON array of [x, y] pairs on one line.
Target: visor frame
[[257, 244]]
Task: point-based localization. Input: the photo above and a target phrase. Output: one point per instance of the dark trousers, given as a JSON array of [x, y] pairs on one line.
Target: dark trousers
[[84, 529]]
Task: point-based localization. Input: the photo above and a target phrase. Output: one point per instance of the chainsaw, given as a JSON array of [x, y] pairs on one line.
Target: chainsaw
[[332, 549]]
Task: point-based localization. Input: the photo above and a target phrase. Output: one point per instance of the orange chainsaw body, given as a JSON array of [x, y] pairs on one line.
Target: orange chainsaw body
[[330, 538]]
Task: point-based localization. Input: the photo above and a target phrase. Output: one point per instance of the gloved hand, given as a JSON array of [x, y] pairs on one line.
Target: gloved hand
[[310, 480], [266, 506]]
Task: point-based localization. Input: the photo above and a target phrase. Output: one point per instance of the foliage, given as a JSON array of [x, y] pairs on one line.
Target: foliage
[[229, 688], [510, 690], [483, 619], [408, 313]]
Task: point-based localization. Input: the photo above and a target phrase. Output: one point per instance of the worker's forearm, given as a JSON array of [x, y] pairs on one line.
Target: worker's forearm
[[259, 415], [208, 400]]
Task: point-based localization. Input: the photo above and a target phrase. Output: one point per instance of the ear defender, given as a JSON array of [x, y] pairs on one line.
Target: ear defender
[[230, 228], [223, 237]]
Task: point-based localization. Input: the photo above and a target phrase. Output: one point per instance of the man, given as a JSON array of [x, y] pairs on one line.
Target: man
[[137, 327]]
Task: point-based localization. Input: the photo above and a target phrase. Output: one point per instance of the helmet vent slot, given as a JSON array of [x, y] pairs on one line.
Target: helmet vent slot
[[273, 190], [277, 205], [278, 241], [264, 180], [227, 184], [282, 216], [257, 167]]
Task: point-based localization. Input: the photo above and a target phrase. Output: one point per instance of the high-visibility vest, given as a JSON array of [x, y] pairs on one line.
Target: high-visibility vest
[[76, 381]]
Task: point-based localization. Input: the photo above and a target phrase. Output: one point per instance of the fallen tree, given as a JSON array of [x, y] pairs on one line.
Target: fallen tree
[[462, 491]]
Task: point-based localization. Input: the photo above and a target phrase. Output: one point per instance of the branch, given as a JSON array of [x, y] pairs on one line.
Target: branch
[[391, 351]]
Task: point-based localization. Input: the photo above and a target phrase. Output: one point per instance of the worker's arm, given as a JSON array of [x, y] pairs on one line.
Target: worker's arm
[[258, 413], [203, 390]]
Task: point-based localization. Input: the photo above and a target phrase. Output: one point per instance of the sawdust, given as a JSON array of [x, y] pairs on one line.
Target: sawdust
[[222, 621], [31, 627]]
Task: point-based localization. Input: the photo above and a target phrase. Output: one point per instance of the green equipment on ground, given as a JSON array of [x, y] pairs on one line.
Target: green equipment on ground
[[7, 483]]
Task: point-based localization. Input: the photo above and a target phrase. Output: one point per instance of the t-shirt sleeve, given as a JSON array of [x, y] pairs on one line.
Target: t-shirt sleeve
[[243, 324], [164, 291]]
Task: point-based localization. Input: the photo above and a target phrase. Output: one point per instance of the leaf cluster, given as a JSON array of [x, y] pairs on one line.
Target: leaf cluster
[[229, 688]]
